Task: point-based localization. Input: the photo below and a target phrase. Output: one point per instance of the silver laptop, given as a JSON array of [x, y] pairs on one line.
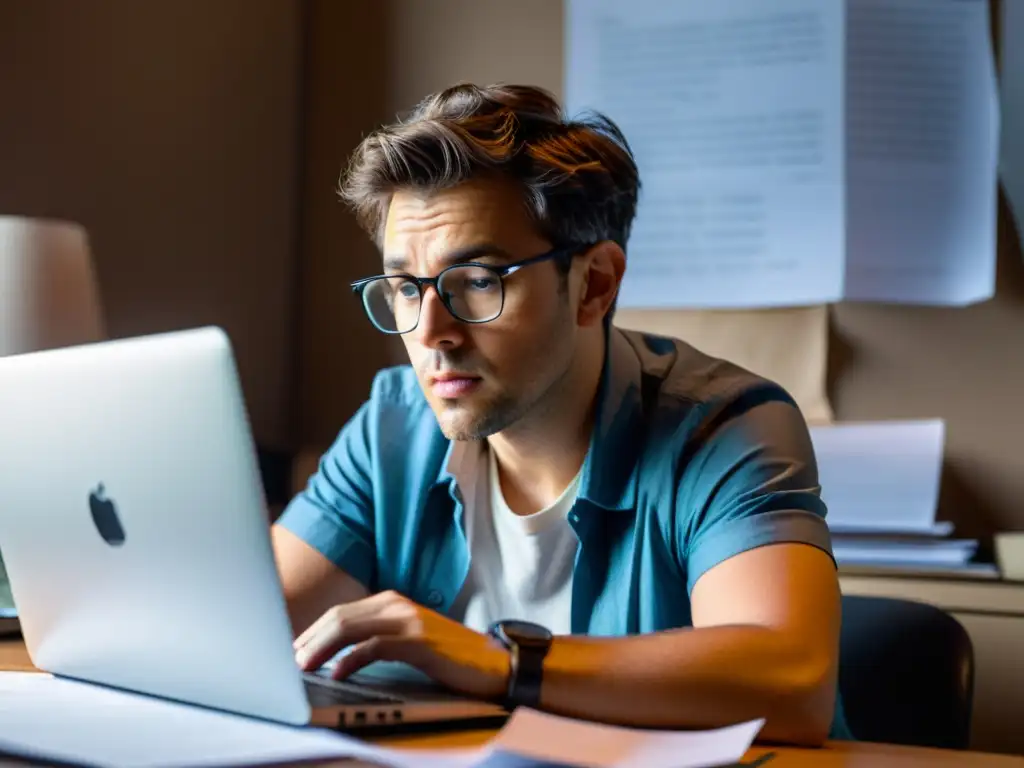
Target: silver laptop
[[135, 535]]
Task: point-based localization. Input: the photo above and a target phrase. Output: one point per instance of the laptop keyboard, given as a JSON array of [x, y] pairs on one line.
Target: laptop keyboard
[[325, 692]]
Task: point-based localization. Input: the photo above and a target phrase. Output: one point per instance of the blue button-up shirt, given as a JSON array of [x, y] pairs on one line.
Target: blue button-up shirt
[[692, 460]]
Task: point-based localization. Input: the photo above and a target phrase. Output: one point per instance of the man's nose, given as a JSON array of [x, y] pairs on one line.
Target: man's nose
[[437, 327]]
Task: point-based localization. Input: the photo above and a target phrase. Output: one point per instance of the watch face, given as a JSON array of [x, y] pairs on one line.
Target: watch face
[[526, 633]]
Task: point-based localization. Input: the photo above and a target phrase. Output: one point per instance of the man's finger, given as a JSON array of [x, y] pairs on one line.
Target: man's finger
[[334, 636], [377, 648], [368, 606]]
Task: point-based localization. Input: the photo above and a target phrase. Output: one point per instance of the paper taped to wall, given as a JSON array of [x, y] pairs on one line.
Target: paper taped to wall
[[788, 345], [1011, 83], [798, 152]]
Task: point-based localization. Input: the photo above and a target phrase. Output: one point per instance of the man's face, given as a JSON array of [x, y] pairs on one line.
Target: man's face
[[481, 378]]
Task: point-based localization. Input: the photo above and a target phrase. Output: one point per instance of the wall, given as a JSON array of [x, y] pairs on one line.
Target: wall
[[170, 129], [366, 62], [346, 69], [965, 365]]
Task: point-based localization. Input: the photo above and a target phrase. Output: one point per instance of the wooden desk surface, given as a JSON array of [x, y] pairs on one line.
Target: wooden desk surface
[[13, 656]]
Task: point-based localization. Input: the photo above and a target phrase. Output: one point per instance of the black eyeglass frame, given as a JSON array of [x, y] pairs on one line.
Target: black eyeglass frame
[[566, 254]]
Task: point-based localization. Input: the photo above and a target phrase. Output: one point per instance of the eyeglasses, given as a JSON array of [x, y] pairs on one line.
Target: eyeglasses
[[471, 292]]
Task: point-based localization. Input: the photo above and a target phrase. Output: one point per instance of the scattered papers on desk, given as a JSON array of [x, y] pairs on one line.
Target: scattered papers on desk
[[878, 550], [552, 740], [798, 152], [55, 720], [880, 481]]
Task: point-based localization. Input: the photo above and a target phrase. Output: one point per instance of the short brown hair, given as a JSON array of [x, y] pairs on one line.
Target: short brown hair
[[579, 178]]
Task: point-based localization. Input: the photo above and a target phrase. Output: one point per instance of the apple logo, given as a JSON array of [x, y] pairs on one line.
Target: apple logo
[[104, 516]]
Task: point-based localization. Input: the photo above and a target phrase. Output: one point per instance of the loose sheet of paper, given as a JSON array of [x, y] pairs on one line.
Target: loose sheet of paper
[[52, 719], [734, 111], [551, 739], [881, 477], [1011, 80], [762, 185], [787, 345], [922, 143], [47, 718]]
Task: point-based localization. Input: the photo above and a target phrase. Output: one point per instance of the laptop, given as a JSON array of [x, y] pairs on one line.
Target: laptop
[[135, 535]]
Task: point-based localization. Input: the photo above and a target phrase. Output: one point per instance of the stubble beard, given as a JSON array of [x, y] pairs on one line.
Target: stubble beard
[[495, 416], [501, 410]]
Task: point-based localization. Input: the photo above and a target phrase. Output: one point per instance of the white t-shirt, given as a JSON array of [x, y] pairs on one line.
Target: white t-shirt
[[520, 565]]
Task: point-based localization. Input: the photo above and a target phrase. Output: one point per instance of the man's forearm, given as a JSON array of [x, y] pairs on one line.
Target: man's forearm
[[705, 677]]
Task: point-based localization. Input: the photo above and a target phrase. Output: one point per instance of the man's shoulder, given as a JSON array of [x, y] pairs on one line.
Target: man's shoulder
[[398, 415], [397, 387], [719, 442], [673, 417], [680, 377], [395, 415], [394, 431]]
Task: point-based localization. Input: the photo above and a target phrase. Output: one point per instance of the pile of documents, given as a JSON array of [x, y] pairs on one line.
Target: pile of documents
[[880, 481]]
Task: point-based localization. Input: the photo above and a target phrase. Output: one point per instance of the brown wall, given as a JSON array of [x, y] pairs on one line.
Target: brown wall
[[346, 95], [169, 128], [366, 62]]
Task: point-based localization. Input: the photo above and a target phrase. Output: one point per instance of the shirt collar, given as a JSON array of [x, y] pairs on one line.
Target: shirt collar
[[609, 471]]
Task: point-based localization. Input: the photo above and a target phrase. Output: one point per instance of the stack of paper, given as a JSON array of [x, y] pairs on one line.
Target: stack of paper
[[880, 481]]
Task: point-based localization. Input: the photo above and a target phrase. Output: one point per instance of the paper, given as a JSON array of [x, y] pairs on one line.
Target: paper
[[880, 476], [733, 109], [936, 530], [551, 739], [922, 147], [876, 550], [787, 345], [764, 183], [1011, 79], [55, 720], [52, 719]]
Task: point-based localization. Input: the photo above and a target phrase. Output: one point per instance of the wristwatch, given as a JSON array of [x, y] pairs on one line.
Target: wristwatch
[[527, 644]]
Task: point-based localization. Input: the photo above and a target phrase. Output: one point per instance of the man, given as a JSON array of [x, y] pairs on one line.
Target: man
[[648, 514]]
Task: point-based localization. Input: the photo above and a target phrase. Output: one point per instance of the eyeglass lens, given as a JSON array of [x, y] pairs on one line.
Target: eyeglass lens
[[472, 294]]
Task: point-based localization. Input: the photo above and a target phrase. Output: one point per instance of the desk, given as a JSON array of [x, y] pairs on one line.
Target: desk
[[836, 755]]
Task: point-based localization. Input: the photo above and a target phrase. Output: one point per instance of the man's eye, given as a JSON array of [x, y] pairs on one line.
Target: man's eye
[[481, 283], [407, 290]]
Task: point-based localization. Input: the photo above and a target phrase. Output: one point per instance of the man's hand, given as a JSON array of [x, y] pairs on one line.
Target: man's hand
[[390, 627]]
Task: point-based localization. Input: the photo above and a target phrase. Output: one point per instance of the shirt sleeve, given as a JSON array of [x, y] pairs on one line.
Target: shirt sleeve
[[334, 513], [752, 481]]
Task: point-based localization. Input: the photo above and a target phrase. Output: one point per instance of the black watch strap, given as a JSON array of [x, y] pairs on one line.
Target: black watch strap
[[525, 676], [528, 645]]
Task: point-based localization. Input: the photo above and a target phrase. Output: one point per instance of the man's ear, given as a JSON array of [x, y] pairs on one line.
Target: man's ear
[[603, 268]]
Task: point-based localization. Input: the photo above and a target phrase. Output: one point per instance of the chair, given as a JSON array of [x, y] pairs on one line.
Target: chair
[[906, 673]]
